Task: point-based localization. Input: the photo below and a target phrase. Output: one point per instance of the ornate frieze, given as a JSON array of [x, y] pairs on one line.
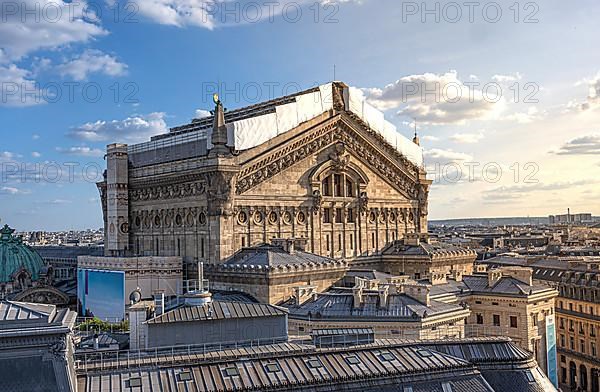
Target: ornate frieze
[[166, 192]]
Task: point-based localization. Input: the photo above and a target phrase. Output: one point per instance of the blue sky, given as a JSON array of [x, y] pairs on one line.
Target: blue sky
[[154, 63]]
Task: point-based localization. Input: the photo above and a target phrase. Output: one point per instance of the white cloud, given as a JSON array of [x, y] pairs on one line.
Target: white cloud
[[7, 156], [507, 78], [583, 145], [201, 113], [130, 130], [35, 154], [82, 151], [8, 190], [437, 99], [92, 61], [467, 138], [31, 25], [210, 13], [18, 89], [442, 157], [532, 114], [180, 12], [430, 138]]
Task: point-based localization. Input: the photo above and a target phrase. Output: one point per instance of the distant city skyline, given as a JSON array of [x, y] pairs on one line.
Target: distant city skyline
[[523, 134]]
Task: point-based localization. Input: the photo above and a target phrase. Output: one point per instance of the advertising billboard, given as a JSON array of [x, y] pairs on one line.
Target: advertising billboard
[[551, 349], [101, 294]]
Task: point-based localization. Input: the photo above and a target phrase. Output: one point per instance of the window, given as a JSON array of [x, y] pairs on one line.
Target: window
[[373, 241], [495, 303], [386, 356], [563, 359], [478, 302], [349, 188], [327, 242], [593, 349], [272, 367], [479, 318], [326, 215], [562, 340], [338, 215], [350, 216], [135, 382], [231, 371], [513, 321], [352, 360], [351, 241], [572, 343], [202, 247], [184, 376], [561, 323], [446, 387], [496, 320], [243, 242], [339, 242], [337, 185], [529, 376], [325, 187], [314, 363], [582, 346]]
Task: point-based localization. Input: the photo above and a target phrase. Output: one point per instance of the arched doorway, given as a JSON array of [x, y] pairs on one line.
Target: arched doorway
[[595, 387], [583, 382], [572, 375]]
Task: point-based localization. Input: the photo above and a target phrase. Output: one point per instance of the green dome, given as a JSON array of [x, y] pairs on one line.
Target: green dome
[[14, 255]]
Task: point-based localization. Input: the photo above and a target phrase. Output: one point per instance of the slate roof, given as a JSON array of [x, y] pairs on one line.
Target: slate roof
[[266, 255], [506, 285], [340, 305], [386, 365], [19, 318], [22, 311], [217, 310], [425, 249]]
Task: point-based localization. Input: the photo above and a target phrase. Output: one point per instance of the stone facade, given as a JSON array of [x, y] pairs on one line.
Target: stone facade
[[331, 180]]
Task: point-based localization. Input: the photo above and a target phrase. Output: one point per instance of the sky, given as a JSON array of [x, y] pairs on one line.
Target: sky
[[505, 95]]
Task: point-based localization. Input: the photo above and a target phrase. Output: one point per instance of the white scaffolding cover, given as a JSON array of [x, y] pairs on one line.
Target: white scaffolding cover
[[251, 132]]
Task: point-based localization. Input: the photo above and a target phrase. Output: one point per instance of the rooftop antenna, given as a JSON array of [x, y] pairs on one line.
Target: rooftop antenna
[[416, 138], [200, 276]]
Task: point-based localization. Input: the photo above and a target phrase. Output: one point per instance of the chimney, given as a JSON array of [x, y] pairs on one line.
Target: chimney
[[438, 278], [159, 303], [523, 274], [412, 239], [288, 245], [383, 296], [96, 342], [494, 275], [357, 292], [303, 294], [420, 292], [456, 275]]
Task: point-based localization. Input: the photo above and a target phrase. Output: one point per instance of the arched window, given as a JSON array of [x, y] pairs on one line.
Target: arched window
[[338, 185], [572, 374], [583, 377]]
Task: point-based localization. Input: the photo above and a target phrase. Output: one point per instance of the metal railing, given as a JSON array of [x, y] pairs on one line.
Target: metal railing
[[162, 356]]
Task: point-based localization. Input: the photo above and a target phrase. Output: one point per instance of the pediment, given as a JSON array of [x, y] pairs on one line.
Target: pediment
[[364, 144]]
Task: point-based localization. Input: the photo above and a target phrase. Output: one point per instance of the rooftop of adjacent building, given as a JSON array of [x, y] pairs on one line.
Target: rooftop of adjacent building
[[419, 245], [280, 253], [490, 364], [340, 303], [23, 318]]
